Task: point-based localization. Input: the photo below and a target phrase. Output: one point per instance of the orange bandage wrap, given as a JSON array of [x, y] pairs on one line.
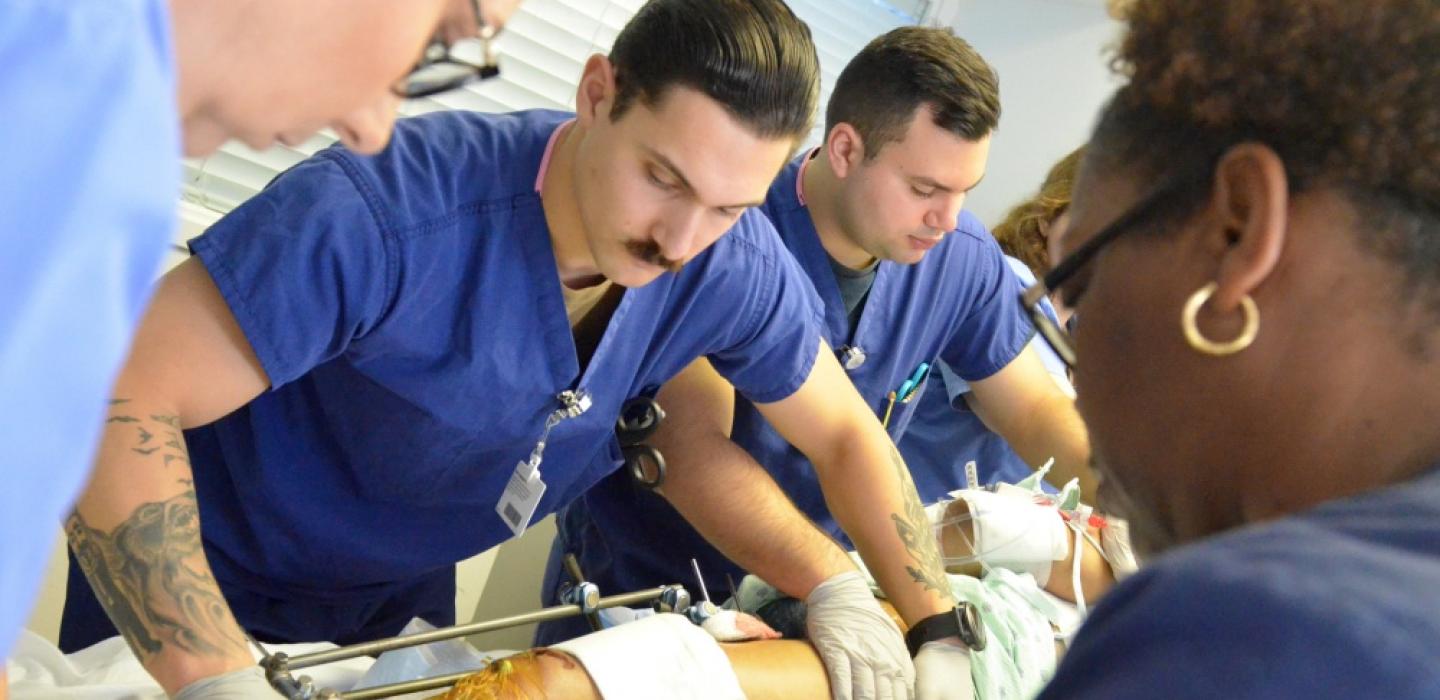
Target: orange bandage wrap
[[515, 677]]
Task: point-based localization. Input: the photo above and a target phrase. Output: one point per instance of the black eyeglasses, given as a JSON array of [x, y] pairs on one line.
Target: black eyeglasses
[[1053, 334], [440, 70]]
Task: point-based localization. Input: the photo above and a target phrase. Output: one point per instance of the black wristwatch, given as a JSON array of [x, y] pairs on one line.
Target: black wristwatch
[[963, 621]]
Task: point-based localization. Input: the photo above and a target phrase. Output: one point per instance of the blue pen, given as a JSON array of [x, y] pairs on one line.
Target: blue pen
[[907, 389], [905, 392]]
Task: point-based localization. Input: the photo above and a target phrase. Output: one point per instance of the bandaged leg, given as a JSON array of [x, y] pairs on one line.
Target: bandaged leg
[[996, 530], [735, 626], [539, 673], [664, 656]]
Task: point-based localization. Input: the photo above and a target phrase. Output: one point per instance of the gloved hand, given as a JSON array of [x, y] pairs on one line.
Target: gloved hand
[[942, 671], [860, 645], [243, 684]]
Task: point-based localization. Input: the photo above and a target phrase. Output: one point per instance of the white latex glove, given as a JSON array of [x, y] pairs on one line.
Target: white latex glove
[[942, 671], [243, 684], [860, 645]]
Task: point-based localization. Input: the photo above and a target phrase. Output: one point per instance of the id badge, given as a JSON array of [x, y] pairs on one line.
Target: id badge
[[522, 495]]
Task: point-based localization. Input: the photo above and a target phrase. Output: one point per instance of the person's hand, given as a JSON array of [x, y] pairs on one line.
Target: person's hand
[[863, 651], [942, 671], [243, 684]]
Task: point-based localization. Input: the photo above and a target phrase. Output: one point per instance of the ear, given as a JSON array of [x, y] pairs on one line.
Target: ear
[[596, 93], [1251, 197], [844, 149]]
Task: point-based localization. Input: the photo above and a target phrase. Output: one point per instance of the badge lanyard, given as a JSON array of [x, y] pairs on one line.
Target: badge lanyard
[[523, 491]]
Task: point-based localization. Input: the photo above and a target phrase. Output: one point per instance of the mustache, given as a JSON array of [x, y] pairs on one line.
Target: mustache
[[649, 251]]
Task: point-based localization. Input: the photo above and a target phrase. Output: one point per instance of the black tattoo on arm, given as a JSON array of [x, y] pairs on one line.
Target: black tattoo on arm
[[170, 430], [915, 531], [151, 578], [149, 572]]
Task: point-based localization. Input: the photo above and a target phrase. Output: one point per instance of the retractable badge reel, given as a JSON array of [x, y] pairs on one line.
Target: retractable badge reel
[[526, 487]]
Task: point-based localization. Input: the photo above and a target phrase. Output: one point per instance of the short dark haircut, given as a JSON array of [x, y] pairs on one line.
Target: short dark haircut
[[1347, 93], [908, 68], [754, 57]]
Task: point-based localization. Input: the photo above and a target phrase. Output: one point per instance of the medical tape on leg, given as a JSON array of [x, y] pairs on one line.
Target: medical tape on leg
[[1011, 533], [663, 656]]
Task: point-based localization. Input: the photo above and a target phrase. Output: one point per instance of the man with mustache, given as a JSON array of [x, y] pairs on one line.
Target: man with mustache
[[874, 218]]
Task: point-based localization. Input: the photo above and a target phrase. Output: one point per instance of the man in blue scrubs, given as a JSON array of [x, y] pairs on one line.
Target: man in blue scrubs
[[874, 219], [385, 365], [100, 98], [945, 432]]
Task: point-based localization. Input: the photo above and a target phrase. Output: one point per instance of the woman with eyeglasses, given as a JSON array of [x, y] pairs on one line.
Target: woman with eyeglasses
[[1254, 246]]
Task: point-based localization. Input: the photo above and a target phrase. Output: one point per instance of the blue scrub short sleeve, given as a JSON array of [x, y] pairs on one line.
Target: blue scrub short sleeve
[[304, 267], [995, 328], [956, 388], [1237, 625], [89, 162], [781, 330]]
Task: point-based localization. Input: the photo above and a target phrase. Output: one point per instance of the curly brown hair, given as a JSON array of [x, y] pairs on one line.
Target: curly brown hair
[[1347, 92], [1022, 233]]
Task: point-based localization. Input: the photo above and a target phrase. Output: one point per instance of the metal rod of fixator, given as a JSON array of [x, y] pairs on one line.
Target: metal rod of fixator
[[554, 613], [394, 689]]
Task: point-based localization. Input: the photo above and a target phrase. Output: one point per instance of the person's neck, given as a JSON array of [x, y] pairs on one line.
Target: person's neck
[[1364, 419], [822, 198], [573, 258]]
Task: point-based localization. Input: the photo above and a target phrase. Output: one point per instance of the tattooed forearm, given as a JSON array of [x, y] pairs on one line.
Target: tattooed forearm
[[151, 577], [171, 447], [914, 530]]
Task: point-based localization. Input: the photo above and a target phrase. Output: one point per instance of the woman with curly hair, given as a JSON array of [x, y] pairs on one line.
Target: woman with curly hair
[[1254, 248], [1024, 234]]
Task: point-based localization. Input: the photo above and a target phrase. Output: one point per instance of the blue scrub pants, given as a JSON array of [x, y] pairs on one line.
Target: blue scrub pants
[[282, 621]]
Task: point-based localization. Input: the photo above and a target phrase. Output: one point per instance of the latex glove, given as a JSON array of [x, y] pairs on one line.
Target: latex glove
[[860, 645], [942, 671], [243, 684]]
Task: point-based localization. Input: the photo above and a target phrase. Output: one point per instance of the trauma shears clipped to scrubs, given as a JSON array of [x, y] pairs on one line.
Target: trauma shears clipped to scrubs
[[639, 418]]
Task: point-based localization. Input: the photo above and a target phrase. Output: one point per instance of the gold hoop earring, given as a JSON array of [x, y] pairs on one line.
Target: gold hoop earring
[[1199, 342]]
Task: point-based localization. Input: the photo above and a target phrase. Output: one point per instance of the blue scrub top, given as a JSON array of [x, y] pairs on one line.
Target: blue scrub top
[[944, 433], [1336, 602], [91, 164], [408, 311], [959, 303]]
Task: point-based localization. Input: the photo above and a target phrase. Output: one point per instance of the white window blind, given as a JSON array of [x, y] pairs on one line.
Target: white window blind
[[542, 51]]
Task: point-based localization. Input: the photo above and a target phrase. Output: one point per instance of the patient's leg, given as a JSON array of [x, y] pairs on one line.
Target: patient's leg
[[781, 669], [539, 673]]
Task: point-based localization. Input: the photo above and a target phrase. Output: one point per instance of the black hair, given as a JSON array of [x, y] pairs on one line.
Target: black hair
[[754, 57], [904, 69]]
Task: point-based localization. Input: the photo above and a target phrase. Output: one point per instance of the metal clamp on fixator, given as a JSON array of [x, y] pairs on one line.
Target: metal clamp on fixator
[[672, 599], [277, 672], [584, 595], [702, 611]]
